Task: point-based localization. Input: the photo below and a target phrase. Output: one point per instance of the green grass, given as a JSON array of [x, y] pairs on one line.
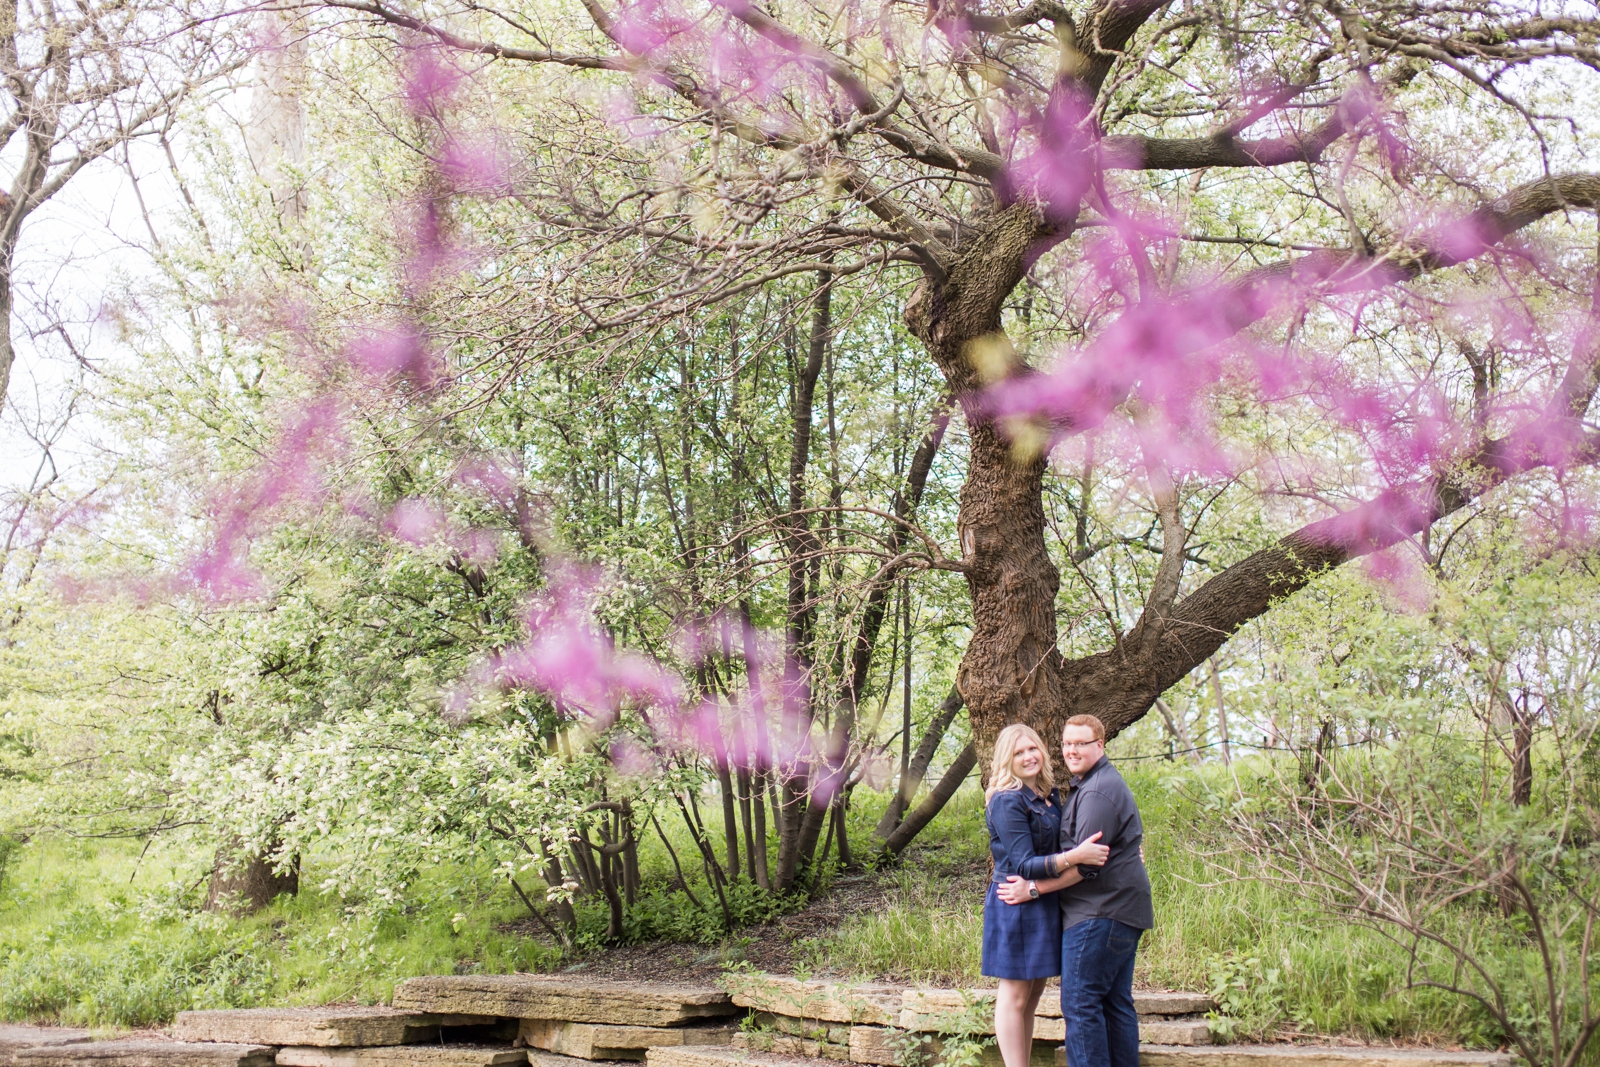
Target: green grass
[[108, 934], [91, 936], [91, 933], [1282, 967], [924, 934]]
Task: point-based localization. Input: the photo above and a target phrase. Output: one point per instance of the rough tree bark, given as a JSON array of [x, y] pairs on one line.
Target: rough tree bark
[[243, 885]]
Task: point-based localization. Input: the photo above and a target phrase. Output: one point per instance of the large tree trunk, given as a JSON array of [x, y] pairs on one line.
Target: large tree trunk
[[244, 885], [1011, 671]]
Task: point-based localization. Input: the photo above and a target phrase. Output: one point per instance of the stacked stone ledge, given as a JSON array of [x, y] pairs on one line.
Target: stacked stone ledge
[[890, 1026], [13, 1039], [582, 1019], [146, 1053], [342, 1027], [1152, 1056], [567, 1021], [1164, 1018]]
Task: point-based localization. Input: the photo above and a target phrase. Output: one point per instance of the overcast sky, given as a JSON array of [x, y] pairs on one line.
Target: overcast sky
[[75, 252]]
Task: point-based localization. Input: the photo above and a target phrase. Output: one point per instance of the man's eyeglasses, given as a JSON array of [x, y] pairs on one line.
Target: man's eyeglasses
[[1074, 746]]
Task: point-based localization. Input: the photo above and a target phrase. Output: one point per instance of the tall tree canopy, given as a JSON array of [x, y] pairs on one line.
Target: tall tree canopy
[[1334, 212], [891, 361]]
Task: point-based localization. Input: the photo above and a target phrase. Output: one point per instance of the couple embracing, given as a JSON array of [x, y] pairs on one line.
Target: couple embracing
[[1058, 909]]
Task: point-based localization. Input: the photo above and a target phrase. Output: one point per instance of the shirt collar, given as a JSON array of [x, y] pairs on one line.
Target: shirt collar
[[1079, 779]]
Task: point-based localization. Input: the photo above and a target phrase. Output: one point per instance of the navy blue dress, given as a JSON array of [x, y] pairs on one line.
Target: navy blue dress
[[1022, 940]]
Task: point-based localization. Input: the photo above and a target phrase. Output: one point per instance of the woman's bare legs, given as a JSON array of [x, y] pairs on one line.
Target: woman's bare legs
[[1014, 1006]]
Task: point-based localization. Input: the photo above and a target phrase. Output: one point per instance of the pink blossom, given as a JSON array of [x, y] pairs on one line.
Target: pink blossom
[[1061, 169], [429, 80], [568, 659], [434, 255], [396, 353], [474, 165], [1400, 574], [495, 479], [632, 759], [416, 521]]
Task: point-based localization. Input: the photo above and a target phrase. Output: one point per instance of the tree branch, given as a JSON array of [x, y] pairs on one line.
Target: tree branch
[[1203, 621], [1221, 149], [1101, 38], [482, 48], [1206, 618], [934, 803]]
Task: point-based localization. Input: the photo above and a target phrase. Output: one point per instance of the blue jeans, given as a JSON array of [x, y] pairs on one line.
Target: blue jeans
[[1097, 993]]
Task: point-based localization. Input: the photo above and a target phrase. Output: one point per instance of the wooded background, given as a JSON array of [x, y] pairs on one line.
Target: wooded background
[[540, 432]]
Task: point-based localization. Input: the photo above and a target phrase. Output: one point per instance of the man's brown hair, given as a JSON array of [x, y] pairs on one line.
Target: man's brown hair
[[1092, 722]]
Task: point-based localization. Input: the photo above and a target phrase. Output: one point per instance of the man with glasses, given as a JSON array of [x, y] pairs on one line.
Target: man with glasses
[[1102, 916]]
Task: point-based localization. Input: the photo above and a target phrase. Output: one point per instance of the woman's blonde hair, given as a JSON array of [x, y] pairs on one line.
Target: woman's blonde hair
[[1005, 752]]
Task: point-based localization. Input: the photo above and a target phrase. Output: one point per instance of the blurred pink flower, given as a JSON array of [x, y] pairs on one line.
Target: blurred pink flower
[[474, 165], [1399, 573], [429, 79], [396, 353], [416, 521]]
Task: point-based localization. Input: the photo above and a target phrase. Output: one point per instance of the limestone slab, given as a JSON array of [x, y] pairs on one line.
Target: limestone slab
[[1152, 1002], [790, 1045], [1151, 1031], [538, 1057], [879, 1045], [923, 1009], [1145, 1002], [569, 999], [815, 1029], [1313, 1056], [597, 1041], [888, 1048], [146, 1054], [15, 1038], [1173, 1032], [402, 1056], [323, 1027], [711, 1056], [933, 1009], [832, 1002]]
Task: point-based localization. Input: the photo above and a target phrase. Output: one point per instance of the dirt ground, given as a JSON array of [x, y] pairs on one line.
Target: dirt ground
[[773, 947]]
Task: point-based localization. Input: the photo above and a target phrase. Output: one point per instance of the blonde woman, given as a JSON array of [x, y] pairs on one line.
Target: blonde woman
[[1022, 942]]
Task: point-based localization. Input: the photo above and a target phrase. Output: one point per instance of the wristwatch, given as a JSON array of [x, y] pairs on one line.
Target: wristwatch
[[1033, 890]]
